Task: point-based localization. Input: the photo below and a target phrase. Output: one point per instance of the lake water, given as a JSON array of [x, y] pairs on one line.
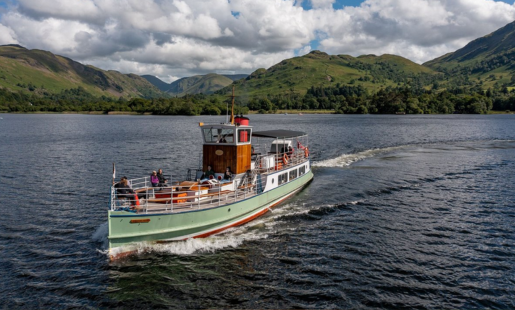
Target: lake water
[[403, 212]]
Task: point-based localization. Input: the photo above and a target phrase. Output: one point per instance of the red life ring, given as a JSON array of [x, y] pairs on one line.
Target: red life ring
[[306, 152], [285, 159]]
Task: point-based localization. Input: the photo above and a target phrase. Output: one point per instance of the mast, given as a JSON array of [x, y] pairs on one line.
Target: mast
[[232, 107]]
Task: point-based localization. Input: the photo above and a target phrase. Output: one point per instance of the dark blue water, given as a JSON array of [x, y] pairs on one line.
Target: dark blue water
[[403, 212]]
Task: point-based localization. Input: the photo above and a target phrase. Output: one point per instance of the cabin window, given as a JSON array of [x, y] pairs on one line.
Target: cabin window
[[283, 178], [281, 146], [293, 174], [302, 170], [243, 135], [218, 135]]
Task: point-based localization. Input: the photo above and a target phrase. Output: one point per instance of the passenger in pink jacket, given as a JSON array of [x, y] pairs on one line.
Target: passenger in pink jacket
[[154, 179]]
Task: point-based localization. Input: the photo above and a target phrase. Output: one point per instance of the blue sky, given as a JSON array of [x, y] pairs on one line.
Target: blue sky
[[338, 4], [176, 38]]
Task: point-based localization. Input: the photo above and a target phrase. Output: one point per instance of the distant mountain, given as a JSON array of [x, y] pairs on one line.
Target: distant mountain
[[198, 84], [163, 86], [490, 60], [40, 71], [205, 84], [235, 77], [298, 74]]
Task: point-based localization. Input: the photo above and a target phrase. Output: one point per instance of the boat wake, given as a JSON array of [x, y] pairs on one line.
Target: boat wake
[[230, 238], [100, 235], [348, 159], [190, 246], [206, 245]]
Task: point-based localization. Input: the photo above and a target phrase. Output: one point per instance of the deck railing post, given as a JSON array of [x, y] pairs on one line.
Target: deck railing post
[[111, 199], [198, 194]]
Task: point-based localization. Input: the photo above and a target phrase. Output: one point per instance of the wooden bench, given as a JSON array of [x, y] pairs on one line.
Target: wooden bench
[[246, 186]]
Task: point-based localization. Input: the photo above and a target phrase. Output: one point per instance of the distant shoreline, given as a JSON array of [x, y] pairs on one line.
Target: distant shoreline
[[82, 112], [292, 112]]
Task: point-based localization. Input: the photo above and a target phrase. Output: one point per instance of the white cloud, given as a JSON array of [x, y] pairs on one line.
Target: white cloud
[[419, 29], [62, 9], [7, 36], [175, 38]]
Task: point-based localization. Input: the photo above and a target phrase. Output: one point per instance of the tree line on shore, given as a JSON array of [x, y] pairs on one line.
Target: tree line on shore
[[345, 99]]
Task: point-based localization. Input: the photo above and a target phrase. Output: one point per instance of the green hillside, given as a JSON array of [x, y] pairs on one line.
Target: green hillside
[[199, 84], [318, 69], [41, 72], [487, 62]]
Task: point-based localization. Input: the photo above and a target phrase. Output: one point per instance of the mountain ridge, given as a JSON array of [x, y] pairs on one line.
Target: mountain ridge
[[486, 62], [197, 84], [298, 74], [28, 70]]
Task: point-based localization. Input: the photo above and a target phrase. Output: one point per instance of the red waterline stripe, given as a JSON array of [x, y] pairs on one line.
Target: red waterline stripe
[[242, 221]]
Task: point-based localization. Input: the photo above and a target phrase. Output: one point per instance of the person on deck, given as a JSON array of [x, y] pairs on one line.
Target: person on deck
[[154, 179], [161, 177], [123, 190], [290, 151], [228, 174], [209, 172]]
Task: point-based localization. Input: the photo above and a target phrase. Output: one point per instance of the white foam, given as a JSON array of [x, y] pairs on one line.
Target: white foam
[[348, 159], [191, 246], [100, 235], [207, 245]]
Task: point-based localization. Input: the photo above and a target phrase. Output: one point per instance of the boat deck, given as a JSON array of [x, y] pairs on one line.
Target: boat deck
[[153, 205], [190, 195]]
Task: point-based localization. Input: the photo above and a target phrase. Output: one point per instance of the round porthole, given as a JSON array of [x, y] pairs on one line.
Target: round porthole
[[273, 181]]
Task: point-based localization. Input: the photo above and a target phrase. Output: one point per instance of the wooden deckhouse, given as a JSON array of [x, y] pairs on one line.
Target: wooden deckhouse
[[227, 145]]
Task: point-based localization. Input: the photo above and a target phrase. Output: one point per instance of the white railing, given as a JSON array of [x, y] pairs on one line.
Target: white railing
[[197, 196], [279, 161], [203, 195]]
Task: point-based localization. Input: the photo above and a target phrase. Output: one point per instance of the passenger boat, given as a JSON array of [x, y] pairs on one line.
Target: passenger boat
[[268, 167]]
